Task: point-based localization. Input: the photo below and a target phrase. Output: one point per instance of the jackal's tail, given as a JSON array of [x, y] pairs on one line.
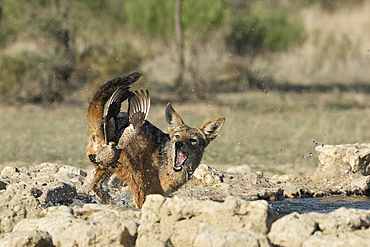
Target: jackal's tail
[[96, 136]]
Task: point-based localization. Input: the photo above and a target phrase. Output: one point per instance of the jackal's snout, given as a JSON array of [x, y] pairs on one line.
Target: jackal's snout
[[179, 144], [180, 157]]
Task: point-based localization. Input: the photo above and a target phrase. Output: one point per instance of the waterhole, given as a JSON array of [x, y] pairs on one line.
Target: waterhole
[[319, 205]]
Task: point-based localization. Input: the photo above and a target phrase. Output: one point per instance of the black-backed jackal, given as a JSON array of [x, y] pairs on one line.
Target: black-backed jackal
[[150, 161]]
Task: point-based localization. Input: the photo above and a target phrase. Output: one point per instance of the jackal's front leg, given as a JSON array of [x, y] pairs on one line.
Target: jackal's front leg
[[101, 174]]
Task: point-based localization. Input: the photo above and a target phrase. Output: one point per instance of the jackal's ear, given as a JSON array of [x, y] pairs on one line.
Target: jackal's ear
[[173, 119], [211, 128]]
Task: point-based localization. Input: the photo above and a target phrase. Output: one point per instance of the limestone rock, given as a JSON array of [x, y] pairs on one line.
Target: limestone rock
[[16, 203], [355, 238], [52, 183], [285, 177], [292, 230], [345, 227], [179, 221], [342, 220], [32, 238], [217, 236], [344, 158], [89, 226], [9, 171], [242, 169], [207, 175], [362, 182]]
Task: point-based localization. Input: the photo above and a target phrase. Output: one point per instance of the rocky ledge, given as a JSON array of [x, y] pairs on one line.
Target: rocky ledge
[[52, 205]]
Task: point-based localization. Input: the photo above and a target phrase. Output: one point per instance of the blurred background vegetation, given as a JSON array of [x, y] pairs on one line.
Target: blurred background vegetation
[[56, 53], [52, 50]]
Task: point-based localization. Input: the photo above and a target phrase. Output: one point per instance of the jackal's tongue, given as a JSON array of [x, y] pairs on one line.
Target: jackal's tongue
[[180, 159]]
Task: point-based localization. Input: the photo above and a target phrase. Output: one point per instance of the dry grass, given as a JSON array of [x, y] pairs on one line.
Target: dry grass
[[31, 134], [263, 130], [336, 50]]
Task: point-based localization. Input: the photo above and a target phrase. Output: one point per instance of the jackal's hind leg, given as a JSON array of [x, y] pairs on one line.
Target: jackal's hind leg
[[101, 174]]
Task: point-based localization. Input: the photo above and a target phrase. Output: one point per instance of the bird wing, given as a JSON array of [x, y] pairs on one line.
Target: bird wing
[[96, 136], [112, 110], [139, 106]]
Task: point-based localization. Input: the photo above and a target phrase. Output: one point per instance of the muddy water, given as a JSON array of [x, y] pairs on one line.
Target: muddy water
[[319, 205]]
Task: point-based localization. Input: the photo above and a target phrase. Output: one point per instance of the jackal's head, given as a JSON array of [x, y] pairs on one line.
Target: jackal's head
[[189, 143]]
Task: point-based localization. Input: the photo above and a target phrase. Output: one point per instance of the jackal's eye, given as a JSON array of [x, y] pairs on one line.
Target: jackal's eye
[[193, 141]]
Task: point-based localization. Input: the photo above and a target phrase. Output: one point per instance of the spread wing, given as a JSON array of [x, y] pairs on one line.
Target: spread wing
[[96, 137], [112, 110], [139, 105]]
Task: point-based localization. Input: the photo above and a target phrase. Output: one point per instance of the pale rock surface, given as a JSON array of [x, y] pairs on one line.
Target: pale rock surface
[[217, 236], [343, 227], [207, 175], [33, 238], [16, 203], [343, 239], [52, 183], [346, 168], [292, 230], [179, 221], [27, 194], [242, 169], [92, 225], [285, 177], [354, 158]]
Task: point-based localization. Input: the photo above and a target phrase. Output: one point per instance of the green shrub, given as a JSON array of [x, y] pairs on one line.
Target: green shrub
[[259, 30], [32, 76], [156, 17], [47, 77]]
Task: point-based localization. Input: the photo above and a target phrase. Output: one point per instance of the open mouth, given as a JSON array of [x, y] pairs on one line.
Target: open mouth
[[180, 160]]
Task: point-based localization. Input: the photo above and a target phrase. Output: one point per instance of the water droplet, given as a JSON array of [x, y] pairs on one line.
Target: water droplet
[[309, 155]]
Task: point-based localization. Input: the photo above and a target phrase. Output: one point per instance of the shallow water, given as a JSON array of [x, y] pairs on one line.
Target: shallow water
[[319, 205]]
